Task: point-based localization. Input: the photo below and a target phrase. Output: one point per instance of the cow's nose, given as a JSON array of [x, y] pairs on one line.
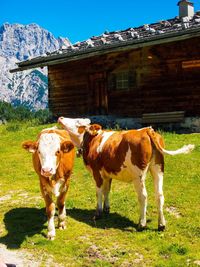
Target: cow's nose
[[46, 171], [60, 119]]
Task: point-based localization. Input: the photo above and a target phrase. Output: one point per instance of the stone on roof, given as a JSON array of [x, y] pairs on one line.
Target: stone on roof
[[149, 32], [143, 32]]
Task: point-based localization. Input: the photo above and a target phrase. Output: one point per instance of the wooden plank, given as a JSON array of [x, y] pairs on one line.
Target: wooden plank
[[174, 116], [191, 64]]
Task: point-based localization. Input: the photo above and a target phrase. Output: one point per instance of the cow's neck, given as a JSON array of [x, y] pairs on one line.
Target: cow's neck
[[76, 139], [87, 138]]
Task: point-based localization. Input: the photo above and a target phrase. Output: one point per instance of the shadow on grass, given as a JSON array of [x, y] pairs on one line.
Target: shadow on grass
[[112, 220], [22, 223]]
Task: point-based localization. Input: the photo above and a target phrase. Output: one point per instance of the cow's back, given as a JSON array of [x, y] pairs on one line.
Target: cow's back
[[119, 153]]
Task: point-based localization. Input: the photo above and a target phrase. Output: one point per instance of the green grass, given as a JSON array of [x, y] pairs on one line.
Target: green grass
[[113, 240]]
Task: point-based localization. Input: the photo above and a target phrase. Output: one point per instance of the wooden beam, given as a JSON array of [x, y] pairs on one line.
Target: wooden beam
[[191, 64]]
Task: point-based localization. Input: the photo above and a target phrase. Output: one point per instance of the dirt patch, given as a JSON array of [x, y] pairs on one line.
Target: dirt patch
[[174, 211], [17, 258], [7, 197], [94, 252], [22, 258], [20, 197]]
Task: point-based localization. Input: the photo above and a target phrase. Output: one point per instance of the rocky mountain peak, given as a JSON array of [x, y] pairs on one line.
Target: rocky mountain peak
[[20, 42]]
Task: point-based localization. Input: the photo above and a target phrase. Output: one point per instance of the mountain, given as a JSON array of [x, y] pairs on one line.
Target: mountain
[[21, 42]]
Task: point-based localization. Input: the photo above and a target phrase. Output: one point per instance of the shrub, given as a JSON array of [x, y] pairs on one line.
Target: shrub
[[43, 116], [22, 113]]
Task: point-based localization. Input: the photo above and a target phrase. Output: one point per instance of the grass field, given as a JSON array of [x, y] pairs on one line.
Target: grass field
[[113, 240]]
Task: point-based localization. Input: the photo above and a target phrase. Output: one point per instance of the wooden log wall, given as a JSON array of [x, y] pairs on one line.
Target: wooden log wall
[[169, 86], [68, 90], [163, 81]]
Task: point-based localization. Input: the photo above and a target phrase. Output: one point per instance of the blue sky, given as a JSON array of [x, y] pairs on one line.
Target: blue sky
[[79, 20]]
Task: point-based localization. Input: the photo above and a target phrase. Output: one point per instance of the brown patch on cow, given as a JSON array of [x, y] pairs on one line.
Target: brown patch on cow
[[98, 178], [81, 129], [114, 153], [30, 146], [94, 129], [115, 150], [141, 149], [159, 158], [66, 163], [66, 146], [90, 155], [90, 145]]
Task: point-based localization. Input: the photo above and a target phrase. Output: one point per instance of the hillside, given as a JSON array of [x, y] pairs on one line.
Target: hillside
[[21, 42], [111, 241]]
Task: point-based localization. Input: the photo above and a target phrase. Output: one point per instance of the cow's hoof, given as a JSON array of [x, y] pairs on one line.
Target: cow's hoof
[[161, 228], [61, 226], [141, 227], [97, 215], [51, 235], [106, 210]]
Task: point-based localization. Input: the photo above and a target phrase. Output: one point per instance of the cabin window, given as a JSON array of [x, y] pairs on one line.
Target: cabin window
[[121, 81]]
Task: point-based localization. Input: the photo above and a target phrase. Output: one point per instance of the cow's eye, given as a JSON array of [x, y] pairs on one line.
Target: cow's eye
[[58, 152]]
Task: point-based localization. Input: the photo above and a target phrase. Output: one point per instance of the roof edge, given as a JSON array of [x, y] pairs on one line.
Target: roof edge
[[44, 61]]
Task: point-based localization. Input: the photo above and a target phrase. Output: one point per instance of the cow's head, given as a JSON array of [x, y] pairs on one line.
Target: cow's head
[[49, 148], [93, 129], [73, 127]]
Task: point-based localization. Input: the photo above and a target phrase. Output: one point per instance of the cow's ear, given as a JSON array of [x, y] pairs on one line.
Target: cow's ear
[[30, 146], [67, 146], [94, 129], [81, 129]]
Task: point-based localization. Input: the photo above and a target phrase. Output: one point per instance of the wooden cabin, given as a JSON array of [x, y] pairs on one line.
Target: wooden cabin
[[132, 73]]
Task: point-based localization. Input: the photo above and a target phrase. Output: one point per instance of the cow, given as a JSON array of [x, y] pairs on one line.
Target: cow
[[125, 155], [53, 158]]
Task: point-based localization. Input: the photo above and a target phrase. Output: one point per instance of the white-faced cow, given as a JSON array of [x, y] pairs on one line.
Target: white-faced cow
[[125, 156], [53, 158]]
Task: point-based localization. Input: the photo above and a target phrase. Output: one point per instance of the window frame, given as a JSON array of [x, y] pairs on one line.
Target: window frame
[[120, 81]]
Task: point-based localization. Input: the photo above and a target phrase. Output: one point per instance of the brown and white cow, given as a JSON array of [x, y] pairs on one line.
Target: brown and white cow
[[53, 158], [123, 155]]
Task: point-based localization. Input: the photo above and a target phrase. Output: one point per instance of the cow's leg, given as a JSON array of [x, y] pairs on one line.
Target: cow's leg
[[140, 188], [99, 192], [50, 210], [157, 173], [61, 210], [106, 191]]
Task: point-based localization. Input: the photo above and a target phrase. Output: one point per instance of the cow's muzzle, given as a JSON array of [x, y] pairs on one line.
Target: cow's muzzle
[[47, 172]]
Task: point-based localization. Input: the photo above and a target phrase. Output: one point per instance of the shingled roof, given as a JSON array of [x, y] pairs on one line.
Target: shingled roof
[[148, 34]]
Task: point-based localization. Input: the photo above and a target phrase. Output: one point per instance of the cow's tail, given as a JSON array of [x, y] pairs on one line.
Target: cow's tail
[[155, 138]]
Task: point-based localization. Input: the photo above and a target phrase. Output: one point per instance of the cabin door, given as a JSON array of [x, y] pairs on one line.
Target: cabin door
[[99, 95]]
